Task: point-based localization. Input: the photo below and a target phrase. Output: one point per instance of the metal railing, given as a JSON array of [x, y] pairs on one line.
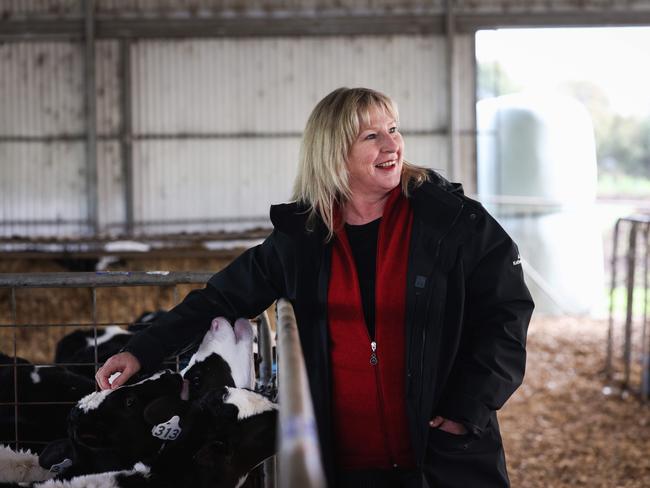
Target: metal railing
[[299, 457], [638, 227], [298, 452]]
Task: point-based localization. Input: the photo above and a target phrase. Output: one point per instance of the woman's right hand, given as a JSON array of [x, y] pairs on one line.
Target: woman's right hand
[[124, 363]]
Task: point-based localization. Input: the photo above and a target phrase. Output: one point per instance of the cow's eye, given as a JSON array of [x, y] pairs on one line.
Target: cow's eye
[[130, 401], [196, 381]]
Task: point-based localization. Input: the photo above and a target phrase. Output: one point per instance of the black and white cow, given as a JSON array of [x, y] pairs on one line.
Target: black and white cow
[[113, 430], [45, 395], [221, 439], [76, 350], [214, 433], [78, 347], [224, 358]]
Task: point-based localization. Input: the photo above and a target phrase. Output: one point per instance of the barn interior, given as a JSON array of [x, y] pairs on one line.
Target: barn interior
[[144, 138]]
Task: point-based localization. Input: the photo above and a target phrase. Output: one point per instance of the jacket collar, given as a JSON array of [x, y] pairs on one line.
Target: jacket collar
[[436, 202]]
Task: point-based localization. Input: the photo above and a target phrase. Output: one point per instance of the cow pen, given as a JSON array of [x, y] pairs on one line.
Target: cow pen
[[298, 450]]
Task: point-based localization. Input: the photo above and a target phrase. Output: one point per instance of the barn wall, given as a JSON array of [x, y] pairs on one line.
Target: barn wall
[[196, 133], [215, 124], [241, 106]]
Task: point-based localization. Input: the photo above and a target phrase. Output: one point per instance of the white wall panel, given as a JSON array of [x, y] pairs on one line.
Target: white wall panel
[[429, 151], [107, 81], [41, 89], [211, 179], [110, 187], [228, 178], [251, 99], [43, 180], [271, 85]]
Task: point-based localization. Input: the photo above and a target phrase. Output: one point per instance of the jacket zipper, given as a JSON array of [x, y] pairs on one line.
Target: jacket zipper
[[374, 362]]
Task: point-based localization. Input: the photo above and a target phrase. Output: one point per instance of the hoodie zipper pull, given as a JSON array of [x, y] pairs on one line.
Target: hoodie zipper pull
[[373, 355]]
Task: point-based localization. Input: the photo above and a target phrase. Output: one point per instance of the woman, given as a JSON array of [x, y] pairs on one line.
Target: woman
[[410, 301]]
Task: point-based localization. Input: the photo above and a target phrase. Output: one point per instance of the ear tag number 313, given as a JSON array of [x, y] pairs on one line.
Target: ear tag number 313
[[167, 431]]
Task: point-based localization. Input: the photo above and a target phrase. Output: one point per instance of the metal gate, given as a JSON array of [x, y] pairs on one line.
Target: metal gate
[[298, 450]]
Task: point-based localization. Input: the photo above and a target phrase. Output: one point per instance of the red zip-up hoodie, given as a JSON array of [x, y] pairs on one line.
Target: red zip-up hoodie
[[369, 394]]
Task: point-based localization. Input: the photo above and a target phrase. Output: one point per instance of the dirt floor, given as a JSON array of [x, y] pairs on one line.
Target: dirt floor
[[562, 428]]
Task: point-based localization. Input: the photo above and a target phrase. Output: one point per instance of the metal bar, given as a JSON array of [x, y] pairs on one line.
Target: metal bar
[[14, 319], [645, 346], [474, 132], [153, 136], [631, 263], [101, 279], [36, 326], [270, 472], [610, 329], [264, 348], [126, 143], [273, 26], [472, 22], [54, 138], [450, 33], [90, 92], [265, 351], [380, 23], [299, 461], [58, 222], [176, 300], [94, 324]]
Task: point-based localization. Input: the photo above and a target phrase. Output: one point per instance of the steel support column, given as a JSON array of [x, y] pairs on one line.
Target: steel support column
[[126, 133], [90, 97]]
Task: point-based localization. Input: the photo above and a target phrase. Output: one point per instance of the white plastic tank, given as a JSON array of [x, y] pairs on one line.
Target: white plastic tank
[[537, 175]]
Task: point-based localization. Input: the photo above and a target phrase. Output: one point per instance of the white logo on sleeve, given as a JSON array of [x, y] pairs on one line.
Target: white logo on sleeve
[[167, 431], [517, 261]]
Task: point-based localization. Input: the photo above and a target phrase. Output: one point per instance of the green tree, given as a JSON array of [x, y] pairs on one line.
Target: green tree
[[622, 142], [493, 81]]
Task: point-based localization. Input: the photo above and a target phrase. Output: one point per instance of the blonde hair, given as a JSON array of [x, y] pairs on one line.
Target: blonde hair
[[322, 182]]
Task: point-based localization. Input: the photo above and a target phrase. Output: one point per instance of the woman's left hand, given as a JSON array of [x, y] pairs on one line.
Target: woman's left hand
[[448, 425]]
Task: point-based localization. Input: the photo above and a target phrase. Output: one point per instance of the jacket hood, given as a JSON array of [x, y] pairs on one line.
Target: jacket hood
[[292, 217]]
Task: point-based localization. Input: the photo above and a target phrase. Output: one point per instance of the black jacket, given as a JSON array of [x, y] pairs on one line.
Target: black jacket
[[468, 310]]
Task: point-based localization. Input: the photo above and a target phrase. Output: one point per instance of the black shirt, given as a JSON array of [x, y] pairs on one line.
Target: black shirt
[[363, 242]]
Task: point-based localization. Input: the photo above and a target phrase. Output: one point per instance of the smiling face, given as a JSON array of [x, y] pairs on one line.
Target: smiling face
[[375, 156]]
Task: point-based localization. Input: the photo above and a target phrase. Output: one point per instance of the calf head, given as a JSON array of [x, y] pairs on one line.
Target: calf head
[[224, 358], [113, 429]]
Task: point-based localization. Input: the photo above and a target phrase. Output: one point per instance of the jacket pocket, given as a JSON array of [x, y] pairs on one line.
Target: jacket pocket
[[461, 461], [440, 440]]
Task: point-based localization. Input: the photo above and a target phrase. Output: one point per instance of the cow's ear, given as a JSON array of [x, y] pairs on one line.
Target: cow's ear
[[219, 322], [244, 330], [162, 409]]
